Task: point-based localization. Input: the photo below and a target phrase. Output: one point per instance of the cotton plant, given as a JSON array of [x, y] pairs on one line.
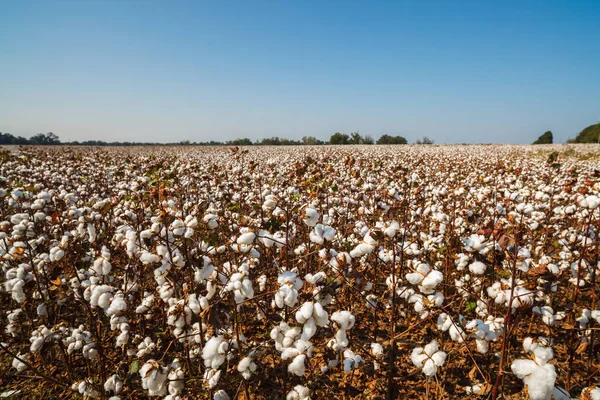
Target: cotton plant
[[344, 321], [549, 317], [247, 367], [454, 329], [428, 358], [378, 354], [289, 285], [289, 343], [311, 315], [154, 378], [86, 388], [322, 233], [299, 392], [536, 373], [426, 277]]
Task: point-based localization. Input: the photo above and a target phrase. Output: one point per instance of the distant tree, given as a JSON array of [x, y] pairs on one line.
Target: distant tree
[[339, 138], [425, 140], [45, 139], [545, 138], [591, 134], [6, 138], [387, 139], [240, 142], [311, 140], [368, 139], [355, 138]]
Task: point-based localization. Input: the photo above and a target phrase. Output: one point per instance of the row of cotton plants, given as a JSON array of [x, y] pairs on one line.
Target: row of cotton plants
[[300, 273]]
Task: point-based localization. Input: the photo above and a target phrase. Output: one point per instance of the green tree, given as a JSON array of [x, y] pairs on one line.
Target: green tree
[[339, 138], [240, 142], [425, 140], [45, 139], [545, 138], [368, 139], [311, 140], [387, 139], [591, 134], [355, 138]]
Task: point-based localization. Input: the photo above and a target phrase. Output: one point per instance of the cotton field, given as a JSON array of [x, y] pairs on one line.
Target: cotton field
[[351, 272]]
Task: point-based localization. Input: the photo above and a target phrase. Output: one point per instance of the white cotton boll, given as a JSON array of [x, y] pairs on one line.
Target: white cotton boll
[[212, 376], [17, 292], [428, 358], [310, 216], [376, 350], [246, 367], [477, 268], [414, 278], [113, 385], [105, 299], [246, 238], [154, 378], [17, 364], [91, 230], [42, 310], [176, 381], [117, 306], [297, 366], [262, 282], [305, 312], [289, 352], [593, 393], [221, 395], [432, 279], [320, 315], [540, 384], [213, 352], [309, 329], [299, 392]]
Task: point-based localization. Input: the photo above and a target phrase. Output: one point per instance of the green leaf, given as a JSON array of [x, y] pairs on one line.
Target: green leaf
[[470, 306], [134, 367]]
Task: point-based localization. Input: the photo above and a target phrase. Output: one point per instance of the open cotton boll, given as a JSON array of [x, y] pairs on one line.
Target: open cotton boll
[[538, 375], [154, 378], [246, 238], [299, 392], [113, 385], [297, 366], [18, 364], [428, 358], [477, 268], [86, 389], [213, 352], [246, 367], [592, 392], [310, 216], [212, 376], [221, 395], [117, 305]]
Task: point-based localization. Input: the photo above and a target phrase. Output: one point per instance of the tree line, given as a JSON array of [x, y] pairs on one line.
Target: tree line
[[337, 138]]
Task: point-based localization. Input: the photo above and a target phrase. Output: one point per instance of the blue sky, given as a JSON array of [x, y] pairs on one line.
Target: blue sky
[[456, 71]]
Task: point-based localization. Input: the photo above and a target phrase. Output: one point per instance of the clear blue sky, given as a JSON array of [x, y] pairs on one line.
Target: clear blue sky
[[456, 71]]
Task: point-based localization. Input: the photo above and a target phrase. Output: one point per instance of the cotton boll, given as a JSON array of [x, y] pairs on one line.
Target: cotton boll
[[299, 392], [154, 378], [18, 364], [246, 238], [221, 395], [428, 358], [246, 367], [297, 366], [113, 385], [477, 268]]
